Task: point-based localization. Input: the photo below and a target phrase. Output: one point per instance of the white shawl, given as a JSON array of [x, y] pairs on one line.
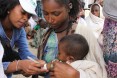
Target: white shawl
[[95, 53], [95, 23], [87, 69]]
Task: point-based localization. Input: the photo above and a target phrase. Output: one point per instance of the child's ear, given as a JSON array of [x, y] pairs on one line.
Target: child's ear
[[70, 59]]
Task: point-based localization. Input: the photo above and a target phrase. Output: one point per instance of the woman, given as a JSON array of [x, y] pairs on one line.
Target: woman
[[110, 37], [13, 16], [61, 16], [60, 19], [94, 20]]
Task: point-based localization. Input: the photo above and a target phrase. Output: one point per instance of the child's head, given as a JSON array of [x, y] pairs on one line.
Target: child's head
[[95, 10], [72, 47]]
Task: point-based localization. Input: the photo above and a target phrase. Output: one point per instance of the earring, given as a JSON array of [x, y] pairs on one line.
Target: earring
[[8, 12], [70, 5]]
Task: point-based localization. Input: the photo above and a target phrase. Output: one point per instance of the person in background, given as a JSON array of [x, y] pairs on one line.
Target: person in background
[[61, 16], [13, 16], [38, 32], [96, 22], [110, 37], [82, 11], [27, 28], [40, 28], [99, 2], [81, 15], [32, 22]]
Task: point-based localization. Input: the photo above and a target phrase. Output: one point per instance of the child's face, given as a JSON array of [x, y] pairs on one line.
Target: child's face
[[95, 10], [62, 56]]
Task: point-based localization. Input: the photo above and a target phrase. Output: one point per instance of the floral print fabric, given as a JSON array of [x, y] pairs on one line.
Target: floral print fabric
[[110, 47]]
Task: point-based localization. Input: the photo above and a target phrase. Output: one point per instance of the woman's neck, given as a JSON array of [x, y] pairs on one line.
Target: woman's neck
[[63, 27], [6, 24], [8, 28]]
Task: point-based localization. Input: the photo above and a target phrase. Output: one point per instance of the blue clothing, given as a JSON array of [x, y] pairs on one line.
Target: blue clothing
[[19, 38], [51, 48]]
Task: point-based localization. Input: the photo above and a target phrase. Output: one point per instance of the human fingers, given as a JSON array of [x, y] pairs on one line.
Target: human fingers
[[23, 65], [54, 69], [41, 62], [36, 69], [25, 74], [51, 73], [28, 66], [55, 74]]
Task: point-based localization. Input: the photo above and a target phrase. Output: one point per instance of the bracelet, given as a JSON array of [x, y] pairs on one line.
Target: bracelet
[[45, 66], [17, 65]]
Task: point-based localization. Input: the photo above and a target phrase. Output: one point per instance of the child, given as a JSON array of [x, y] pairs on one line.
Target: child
[[72, 50]]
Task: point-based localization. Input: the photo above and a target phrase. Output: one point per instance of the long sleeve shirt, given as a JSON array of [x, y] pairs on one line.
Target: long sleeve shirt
[[19, 38]]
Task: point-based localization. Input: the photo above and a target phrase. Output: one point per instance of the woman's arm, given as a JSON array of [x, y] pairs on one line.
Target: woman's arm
[[27, 66], [62, 70], [23, 46], [11, 67]]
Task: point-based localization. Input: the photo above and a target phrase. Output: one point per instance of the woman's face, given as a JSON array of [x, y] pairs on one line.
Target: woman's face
[[95, 10], [18, 17], [54, 13]]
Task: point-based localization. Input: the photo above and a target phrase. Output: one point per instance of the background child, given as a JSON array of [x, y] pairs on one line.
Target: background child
[[72, 50]]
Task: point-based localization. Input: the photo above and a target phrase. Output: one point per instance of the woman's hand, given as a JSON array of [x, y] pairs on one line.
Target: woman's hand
[[30, 67], [25, 74], [63, 70]]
